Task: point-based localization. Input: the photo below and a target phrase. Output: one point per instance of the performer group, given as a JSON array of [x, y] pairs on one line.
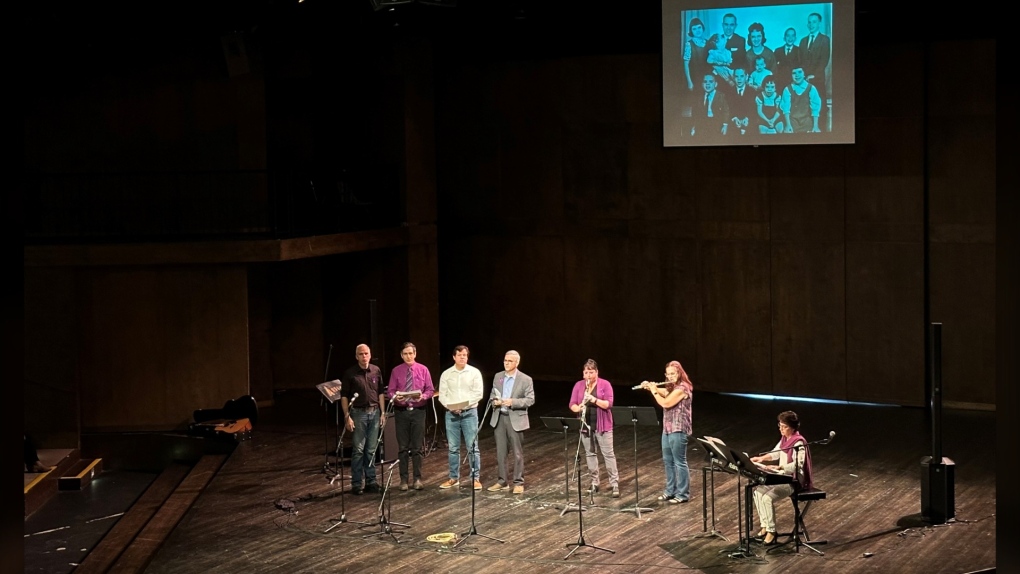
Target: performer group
[[366, 400]]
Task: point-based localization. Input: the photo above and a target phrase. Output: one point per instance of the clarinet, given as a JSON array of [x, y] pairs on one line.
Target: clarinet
[[584, 406]]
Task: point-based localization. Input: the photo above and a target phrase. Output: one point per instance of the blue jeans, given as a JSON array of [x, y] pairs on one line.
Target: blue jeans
[[466, 424], [364, 445], [674, 456]]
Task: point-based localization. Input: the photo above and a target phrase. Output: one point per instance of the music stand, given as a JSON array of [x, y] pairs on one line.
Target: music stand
[[645, 416], [580, 516], [331, 391], [748, 468], [565, 424], [718, 455]]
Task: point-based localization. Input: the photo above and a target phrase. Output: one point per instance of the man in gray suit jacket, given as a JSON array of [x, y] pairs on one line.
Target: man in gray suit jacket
[[512, 393]]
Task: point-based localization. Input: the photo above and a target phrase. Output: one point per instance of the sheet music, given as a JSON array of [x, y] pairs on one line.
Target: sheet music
[[330, 389]]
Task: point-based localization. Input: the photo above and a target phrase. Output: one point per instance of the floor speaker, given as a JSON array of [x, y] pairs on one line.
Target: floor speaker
[[938, 490]]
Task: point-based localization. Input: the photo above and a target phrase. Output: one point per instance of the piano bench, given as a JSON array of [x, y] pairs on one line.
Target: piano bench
[[809, 495], [800, 531]]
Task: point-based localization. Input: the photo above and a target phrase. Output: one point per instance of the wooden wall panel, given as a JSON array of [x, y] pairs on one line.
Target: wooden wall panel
[[963, 300], [51, 356], [298, 352], [808, 260], [158, 343], [509, 292], [734, 349], [963, 251], [808, 319], [807, 282], [885, 322]]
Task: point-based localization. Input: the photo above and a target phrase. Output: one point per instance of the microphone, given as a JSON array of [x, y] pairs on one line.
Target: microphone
[[832, 435], [354, 398]]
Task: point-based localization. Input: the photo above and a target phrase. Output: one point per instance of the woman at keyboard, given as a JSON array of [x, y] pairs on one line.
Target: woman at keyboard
[[790, 456]]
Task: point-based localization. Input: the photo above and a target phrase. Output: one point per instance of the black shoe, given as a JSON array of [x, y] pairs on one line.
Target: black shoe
[[373, 487], [356, 490], [595, 488]]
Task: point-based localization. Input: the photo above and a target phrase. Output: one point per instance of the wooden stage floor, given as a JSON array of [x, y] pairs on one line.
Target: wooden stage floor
[[871, 518]]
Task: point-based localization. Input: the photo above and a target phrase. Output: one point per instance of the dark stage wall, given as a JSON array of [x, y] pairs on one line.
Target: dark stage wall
[[542, 214], [567, 231]]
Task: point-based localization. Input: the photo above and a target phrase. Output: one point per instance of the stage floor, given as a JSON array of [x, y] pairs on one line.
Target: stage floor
[[870, 519]]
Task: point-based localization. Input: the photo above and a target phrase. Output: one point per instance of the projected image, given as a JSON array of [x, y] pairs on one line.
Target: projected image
[[757, 74]]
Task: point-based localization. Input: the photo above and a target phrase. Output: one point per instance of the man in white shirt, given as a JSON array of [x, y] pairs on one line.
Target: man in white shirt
[[460, 390]]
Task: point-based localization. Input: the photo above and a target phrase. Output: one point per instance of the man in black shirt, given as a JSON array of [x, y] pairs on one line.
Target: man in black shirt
[[364, 415]]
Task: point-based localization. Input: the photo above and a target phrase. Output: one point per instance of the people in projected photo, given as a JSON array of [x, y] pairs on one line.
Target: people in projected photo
[[725, 48], [767, 101], [711, 114], [787, 58], [756, 79], [721, 59], [800, 104], [695, 56], [731, 41], [757, 48], [815, 50], [742, 103]]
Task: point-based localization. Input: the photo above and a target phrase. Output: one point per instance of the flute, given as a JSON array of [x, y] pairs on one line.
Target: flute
[[636, 387]]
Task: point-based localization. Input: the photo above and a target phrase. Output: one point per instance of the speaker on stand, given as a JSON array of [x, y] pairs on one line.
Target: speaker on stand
[[938, 476]]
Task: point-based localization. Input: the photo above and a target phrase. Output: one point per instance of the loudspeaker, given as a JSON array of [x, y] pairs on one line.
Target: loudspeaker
[[938, 504]]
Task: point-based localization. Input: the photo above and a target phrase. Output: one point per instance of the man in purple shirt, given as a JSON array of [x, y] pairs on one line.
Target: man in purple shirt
[[410, 410], [592, 400]]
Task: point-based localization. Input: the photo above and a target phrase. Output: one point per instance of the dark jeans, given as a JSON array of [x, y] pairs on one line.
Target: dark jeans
[[364, 445], [410, 439]]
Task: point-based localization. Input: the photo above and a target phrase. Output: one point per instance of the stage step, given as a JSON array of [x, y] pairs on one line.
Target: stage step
[[44, 486], [80, 474]]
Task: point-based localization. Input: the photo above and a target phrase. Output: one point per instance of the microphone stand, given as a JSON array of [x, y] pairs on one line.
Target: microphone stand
[[384, 500], [580, 515], [343, 507], [325, 418], [474, 530]]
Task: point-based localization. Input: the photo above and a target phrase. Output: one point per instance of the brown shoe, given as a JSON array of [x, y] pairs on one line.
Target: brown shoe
[[450, 483], [497, 487], [418, 485], [403, 486], [478, 485], [519, 489]]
